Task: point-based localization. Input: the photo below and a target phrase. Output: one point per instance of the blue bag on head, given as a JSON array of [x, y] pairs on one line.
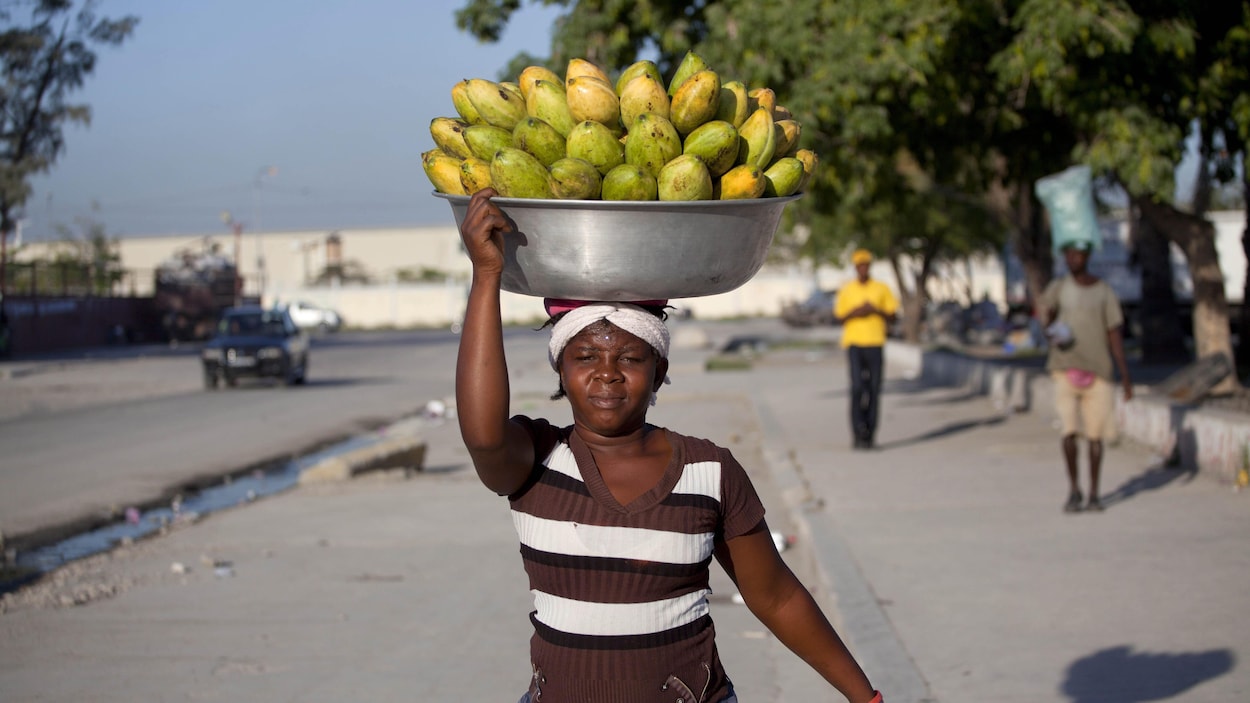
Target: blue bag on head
[[1069, 200]]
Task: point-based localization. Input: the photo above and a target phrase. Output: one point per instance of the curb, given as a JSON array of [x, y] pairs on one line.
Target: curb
[[1211, 441], [403, 452], [842, 591]]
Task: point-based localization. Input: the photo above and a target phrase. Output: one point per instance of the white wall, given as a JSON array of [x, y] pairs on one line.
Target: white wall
[[291, 257]]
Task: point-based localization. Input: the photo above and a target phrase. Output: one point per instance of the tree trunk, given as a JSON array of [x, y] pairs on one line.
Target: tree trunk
[[1243, 327], [1196, 237], [1162, 334], [913, 297], [1032, 244]]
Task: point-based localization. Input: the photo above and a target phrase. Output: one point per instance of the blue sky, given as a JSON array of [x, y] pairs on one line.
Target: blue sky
[[207, 94]]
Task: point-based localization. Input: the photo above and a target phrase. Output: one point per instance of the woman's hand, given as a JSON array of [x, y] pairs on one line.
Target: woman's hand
[[482, 232]]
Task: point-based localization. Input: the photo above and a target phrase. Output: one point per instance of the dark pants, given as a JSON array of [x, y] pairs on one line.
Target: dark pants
[[866, 363]]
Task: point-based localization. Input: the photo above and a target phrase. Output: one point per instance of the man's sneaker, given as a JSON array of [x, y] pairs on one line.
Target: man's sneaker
[[1094, 505], [1074, 503]]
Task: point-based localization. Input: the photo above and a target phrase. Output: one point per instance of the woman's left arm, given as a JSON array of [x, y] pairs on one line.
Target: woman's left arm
[[775, 595]]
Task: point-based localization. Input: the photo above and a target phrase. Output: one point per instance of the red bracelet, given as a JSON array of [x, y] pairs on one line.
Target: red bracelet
[[877, 698]]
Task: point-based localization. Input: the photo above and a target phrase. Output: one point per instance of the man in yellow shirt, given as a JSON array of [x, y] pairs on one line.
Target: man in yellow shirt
[[864, 307]]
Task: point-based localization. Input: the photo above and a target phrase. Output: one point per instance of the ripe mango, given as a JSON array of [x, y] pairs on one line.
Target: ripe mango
[[575, 179], [495, 104], [643, 94], [684, 178], [628, 182], [695, 102], [651, 143], [783, 178], [448, 133], [464, 106], [761, 97], [539, 139], [716, 143], [638, 68], [690, 64], [484, 140], [594, 142], [548, 103], [474, 174], [788, 132], [592, 99], [582, 67], [741, 182], [443, 170], [810, 161], [734, 104], [517, 174], [757, 139], [532, 74]]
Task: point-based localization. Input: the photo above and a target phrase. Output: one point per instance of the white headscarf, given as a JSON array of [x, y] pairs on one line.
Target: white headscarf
[[626, 316], [630, 318]]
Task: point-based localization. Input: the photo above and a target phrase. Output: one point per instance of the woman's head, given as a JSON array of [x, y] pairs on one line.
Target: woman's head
[[597, 324]]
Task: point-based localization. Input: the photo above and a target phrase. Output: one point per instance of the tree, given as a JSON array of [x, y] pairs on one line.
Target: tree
[[46, 58], [964, 102], [84, 261], [1133, 77], [831, 72]]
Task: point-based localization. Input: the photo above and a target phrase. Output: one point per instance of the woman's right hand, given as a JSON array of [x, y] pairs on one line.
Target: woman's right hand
[[482, 232]]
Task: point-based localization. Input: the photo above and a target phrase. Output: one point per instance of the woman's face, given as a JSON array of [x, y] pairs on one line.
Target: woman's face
[[609, 376]]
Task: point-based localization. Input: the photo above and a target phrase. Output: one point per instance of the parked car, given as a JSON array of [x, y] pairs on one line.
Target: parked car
[[254, 342], [314, 317], [814, 311]]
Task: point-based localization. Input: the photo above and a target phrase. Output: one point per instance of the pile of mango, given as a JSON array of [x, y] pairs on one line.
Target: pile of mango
[[586, 137]]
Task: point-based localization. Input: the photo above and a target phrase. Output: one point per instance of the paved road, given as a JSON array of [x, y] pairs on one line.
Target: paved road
[[944, 559], [84, 438]]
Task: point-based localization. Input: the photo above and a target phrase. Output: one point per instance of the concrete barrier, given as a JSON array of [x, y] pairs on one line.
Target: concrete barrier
[[1212, 442], [391, 452]]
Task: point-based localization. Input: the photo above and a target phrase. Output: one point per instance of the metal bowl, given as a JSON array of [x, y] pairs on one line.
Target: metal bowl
[[631, 250]]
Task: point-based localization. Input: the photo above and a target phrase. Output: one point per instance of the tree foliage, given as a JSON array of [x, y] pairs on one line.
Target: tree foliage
[[934, 118], [48, 54]]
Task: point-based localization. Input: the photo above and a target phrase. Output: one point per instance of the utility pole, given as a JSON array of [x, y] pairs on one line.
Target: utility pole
[[256, 203], [237, 226]]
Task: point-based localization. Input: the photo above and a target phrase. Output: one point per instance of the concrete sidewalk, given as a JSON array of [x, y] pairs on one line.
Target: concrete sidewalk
[[943, 558]]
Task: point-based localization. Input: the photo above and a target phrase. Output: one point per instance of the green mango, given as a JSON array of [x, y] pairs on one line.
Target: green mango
[[539, 139], [575, 179], [685, 178], [517, 174], [651, 142], [783, 178], [715, 142], [594, 142], [484, 140], [627, 182], [548, 102]]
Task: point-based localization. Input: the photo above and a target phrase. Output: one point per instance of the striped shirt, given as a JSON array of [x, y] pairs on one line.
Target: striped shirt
[[620, 592]]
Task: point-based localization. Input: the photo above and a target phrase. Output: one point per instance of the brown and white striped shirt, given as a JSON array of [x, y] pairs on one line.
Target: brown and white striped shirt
[[620, 591]]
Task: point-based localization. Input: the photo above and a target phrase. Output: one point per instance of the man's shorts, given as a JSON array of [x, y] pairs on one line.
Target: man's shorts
[[1085, 410]]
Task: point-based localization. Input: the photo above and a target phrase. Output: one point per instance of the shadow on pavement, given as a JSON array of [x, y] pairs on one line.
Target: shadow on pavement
[[1120, 675], [1151, 479], [945, 431]]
